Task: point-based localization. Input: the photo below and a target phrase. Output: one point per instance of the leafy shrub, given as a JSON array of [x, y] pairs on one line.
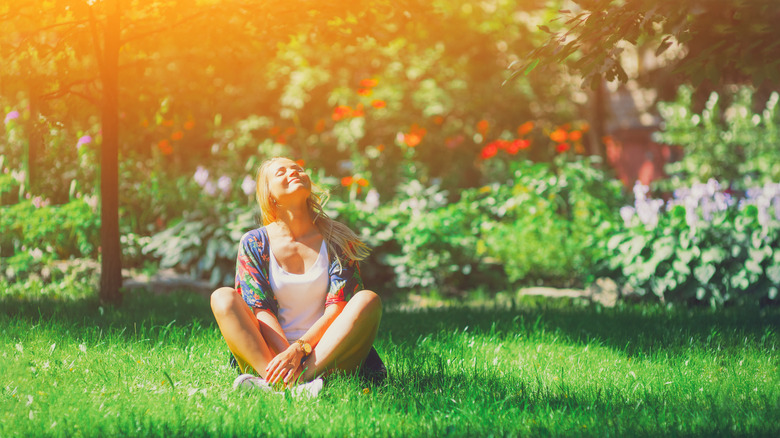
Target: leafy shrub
[[704, 246], [33, 232], [737, 146], [544, 227], [419, 240]]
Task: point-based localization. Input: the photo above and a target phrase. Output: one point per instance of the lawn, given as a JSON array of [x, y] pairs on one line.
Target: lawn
[[157, 367]]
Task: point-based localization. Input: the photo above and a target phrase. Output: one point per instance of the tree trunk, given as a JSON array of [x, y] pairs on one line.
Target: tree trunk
[[111, 264], [34, 141], [598, 121]]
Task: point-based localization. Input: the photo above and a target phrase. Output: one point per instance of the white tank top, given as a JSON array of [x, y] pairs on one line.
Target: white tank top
[[301, 297]]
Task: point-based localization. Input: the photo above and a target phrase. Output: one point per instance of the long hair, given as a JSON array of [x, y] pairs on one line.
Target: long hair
[[338, 237]]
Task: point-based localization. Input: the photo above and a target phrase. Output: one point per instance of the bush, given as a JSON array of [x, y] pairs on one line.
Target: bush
[[544, 227], [704, 246], [33, 233], [737, 147]]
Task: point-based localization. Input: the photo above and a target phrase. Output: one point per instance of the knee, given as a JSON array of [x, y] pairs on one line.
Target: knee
[[223, 299], [369, 302]]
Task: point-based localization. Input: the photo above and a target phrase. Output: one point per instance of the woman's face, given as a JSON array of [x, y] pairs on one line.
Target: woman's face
[[288, 181]]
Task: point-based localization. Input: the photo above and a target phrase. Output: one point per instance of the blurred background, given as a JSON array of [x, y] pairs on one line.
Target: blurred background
[[462, 172]]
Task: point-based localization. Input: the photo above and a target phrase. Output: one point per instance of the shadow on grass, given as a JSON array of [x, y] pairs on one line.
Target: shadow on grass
[[140, 309], [633, 329]]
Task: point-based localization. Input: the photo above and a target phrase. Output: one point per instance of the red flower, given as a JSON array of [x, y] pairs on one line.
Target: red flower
[[165, 147], [358, 111], [378, 103], [347, 181], [558, 136], [177, 135], [525, 128], [415, 135], [489, 151], [368, 83], [341, 112], [562, 147], [483, 126], [364, 91], [516, 145], [362, 182], [575, 136]]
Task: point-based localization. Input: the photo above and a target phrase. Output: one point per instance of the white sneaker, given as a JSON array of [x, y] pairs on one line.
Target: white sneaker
[[308, 389], [250, 382]]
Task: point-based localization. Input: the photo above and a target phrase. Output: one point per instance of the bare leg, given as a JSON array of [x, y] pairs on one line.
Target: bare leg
[[241, 330], [347, 341]]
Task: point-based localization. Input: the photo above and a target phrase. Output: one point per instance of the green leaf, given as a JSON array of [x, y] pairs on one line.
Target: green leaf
[[773, 272], [704, 272], [713, 255]]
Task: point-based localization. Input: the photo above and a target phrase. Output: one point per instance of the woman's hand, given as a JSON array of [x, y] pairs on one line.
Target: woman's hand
[[285, 366]]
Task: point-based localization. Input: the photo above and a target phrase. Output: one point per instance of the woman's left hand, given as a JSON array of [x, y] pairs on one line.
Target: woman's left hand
[[286, 366]]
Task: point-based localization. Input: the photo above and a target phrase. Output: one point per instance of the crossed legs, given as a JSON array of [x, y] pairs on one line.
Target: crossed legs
[[343, 347]]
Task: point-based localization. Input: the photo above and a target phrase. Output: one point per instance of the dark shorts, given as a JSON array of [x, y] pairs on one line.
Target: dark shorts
[[372, 370]]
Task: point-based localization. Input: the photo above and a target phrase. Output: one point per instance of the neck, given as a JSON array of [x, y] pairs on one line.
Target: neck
[[295, 220]]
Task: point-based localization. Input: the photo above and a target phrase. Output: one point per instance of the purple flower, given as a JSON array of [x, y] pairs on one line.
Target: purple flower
[[86, 139], [248, 185], [11, 116], [224, 183], [776, 202], [210, 188], [201, 176]]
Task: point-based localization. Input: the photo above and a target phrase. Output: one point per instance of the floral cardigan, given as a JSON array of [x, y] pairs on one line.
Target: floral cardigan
[[252, 278]]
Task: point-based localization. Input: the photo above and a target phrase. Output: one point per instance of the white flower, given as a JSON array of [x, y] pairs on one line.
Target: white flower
[[640, 191], [627, 213], [372, 199]]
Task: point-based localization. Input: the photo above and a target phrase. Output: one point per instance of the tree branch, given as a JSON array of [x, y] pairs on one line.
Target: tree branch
[[163, 29]]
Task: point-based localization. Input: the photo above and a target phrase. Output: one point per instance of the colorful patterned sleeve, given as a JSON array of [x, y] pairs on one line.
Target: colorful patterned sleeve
[[345, 280], [252, 280]]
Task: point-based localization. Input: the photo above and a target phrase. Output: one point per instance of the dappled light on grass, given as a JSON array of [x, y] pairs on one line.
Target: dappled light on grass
[[157, 366]]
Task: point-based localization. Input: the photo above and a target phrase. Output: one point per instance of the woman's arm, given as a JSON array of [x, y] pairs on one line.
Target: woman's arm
[[271, 330], [287, 364]]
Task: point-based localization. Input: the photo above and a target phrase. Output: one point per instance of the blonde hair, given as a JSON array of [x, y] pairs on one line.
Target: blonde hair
[[338, 237]]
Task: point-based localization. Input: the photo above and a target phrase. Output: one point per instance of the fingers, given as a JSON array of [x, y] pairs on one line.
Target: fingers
[[279, 370], [293, 374]]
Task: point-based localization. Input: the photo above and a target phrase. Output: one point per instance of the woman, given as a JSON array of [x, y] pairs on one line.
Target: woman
[[298, 310]]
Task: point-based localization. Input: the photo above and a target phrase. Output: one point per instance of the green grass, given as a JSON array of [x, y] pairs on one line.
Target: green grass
[[157, 367]]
